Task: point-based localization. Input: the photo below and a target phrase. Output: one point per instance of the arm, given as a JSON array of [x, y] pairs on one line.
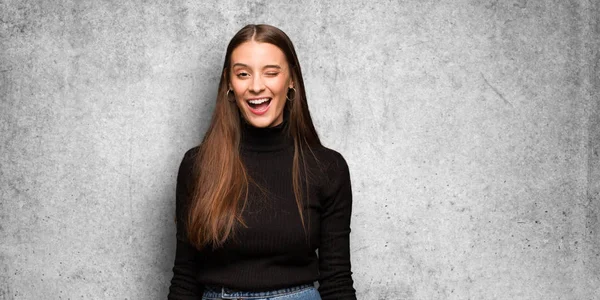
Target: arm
[[335, 278], [183, 284]]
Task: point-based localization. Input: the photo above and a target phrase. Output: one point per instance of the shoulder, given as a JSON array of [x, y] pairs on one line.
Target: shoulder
[[334, 167], [186, 167], [189, 157], [332, 160], [191, 153]]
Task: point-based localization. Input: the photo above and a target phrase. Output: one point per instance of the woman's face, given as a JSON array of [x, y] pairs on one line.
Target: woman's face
[[260, 79]]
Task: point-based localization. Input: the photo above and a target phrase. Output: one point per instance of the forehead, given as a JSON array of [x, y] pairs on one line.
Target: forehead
[[253, 53]]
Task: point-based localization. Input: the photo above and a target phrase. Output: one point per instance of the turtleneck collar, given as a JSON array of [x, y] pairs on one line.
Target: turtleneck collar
[[266, 139]]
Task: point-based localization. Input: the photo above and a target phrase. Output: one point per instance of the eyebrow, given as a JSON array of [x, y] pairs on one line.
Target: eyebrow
[[246, 66]]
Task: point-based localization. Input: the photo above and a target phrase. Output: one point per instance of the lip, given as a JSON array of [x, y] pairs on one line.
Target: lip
[[259, 112], [256, 98]]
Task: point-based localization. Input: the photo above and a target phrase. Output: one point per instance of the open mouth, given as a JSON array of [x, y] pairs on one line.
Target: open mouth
[[259, 106]]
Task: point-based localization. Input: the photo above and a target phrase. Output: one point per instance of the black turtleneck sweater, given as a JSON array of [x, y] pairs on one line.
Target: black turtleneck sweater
[[273, 251]]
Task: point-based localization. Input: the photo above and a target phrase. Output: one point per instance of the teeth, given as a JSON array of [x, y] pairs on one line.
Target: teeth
[[258, 101]]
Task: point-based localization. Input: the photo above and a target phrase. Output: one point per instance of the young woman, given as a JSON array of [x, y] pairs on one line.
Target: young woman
[[260, 194]]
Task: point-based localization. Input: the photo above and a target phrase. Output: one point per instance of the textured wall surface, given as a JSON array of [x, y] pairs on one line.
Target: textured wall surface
[[471, 128]]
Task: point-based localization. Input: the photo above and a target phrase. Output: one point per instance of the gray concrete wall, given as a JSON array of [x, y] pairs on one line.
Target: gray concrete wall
[[471, 128]]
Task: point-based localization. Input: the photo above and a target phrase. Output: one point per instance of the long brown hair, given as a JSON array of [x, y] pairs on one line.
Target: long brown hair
[[221, 186]]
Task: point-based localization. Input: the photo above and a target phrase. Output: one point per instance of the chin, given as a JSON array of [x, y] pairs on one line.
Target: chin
[[261, 122]]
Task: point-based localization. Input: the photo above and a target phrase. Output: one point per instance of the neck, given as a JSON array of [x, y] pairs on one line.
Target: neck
[[266, 139]]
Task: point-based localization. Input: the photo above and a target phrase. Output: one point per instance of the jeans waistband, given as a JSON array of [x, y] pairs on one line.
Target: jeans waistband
[[227, 293]]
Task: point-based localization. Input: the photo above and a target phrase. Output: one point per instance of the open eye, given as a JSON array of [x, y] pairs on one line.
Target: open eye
[[242, 74]]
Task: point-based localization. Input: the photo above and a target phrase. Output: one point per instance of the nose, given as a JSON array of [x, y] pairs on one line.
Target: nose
[[257, 84]]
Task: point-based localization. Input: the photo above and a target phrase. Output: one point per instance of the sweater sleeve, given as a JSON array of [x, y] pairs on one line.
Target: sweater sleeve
[[335, 275], [183, 284]]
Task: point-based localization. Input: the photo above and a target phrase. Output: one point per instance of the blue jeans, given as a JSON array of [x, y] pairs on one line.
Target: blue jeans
[[300, 292]]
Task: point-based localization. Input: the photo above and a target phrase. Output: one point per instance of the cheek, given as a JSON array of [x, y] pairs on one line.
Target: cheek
[[280, 88], [238, 87]]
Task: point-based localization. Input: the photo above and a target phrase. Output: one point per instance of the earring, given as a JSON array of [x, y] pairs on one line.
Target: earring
[[228, 92], [287, 97]]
